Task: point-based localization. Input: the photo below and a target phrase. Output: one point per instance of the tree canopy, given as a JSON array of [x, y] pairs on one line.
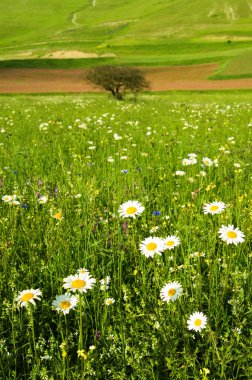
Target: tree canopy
[[118, 80]]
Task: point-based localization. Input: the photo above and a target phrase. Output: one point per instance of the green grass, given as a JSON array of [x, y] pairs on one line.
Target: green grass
[[137, 32], [64, 148]]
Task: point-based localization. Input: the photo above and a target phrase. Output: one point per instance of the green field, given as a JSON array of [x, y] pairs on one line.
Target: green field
[[167, 32], [67, 164]]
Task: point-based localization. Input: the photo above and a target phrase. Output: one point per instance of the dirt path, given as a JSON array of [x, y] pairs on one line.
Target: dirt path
[[161, 79]]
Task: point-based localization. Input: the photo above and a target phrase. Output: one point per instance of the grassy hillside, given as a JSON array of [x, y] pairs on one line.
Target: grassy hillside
[[136, 32]]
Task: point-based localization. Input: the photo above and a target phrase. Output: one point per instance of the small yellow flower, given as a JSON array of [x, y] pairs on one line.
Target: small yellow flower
[[58, 215], [64, 354], [81, 354]]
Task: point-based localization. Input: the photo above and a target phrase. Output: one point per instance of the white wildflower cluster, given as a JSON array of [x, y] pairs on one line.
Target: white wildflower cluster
[[104, 283], [11, 199]]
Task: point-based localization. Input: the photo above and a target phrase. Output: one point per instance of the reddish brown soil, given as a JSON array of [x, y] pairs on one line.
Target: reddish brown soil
[[72, 80]]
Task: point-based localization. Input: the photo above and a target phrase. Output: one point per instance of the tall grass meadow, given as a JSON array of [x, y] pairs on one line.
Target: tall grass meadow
[[91, 288]]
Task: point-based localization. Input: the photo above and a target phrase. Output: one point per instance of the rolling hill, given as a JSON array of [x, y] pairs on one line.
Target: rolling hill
[[139, 32]]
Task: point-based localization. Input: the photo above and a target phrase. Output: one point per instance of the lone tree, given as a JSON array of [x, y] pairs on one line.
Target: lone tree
[[118, 80]]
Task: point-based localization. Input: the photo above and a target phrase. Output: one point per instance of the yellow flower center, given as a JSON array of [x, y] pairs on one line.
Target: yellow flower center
[[109, 302], [131, 210], [198, 322], [171, 292], [170, 243], [214, 208], [27, 297], [65, 304], [77, 284], [231, 234], [151, 246]]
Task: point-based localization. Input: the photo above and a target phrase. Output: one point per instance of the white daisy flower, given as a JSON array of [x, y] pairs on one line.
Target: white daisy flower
[[104, 283], [28, 296], [207, 161], [202, 173], [42, 200], [7, 198], [15, 202], [80, 282], [186, 162], [131, 209], [214, 208], [171, 291], [65, 303], [109, 301], [231, 235], [171, 241], [179, 173], [193, 160], [83, 271], [152, 245], [197, 321], [117, 137]]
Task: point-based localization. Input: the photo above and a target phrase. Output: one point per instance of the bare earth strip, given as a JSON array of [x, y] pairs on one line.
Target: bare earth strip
[[73, 80]]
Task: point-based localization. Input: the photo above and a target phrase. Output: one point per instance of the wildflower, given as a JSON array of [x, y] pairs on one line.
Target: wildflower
[[197, 321], [65, 303], [109, 301], [154, 229], [80, 282], [171, 291], [214, 208], [28, 296], [156, 213], [117, 137], [193, 160], [131, 209], [197, 254], [186, 162], [25, 206], [207, 161], [179, 173], [171, 241], [83, 271], [192, 155], [7, 198], [104, 283], [81, 354], [202, 173], [124, 171], [15, 202], [42, 200], [152, 245], [231, 235], [58, 215]]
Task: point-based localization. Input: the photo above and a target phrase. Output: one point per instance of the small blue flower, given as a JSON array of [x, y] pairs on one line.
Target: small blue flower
[[124, 171], [25, 206], [156, 213]]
